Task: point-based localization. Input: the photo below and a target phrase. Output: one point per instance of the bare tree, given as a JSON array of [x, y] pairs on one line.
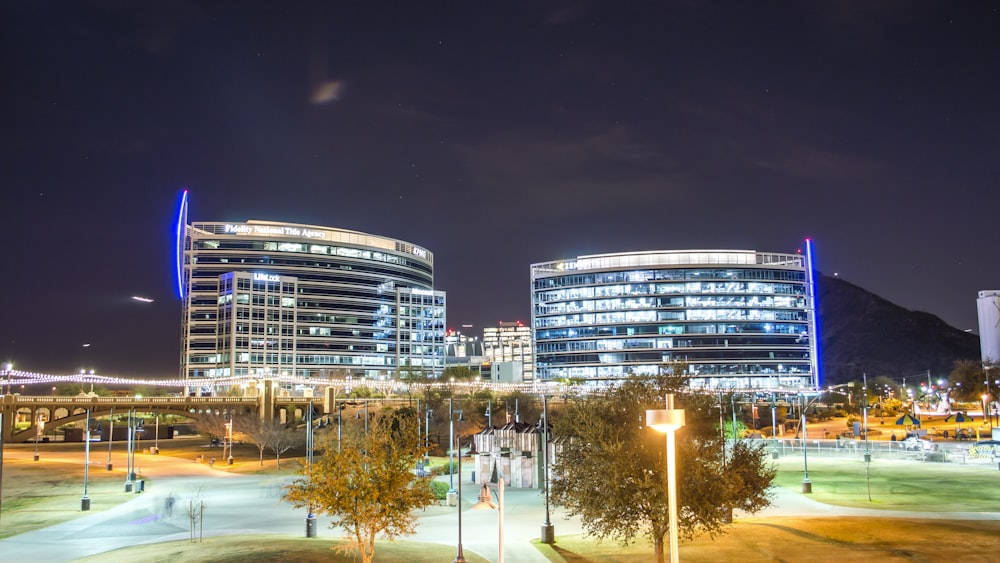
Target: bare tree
[[212, 425], [254, 430], [281, 439]]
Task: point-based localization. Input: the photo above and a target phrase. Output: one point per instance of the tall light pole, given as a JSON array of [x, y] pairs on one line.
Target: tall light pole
[[428, 413], [310, 517], [807, 486], [3, 436], [85, 501], [459, 557], [548, 532], [668, 421], [128, 452], [229, 438], [111, 435], [774, 427], [39, 427]]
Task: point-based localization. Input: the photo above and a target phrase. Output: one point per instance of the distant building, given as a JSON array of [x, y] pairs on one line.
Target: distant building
[[510, 342], [463, 351], [419, 318], [737, 318], [261, 298], [988, 305]]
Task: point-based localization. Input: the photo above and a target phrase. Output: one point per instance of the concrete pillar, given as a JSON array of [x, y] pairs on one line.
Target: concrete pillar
[[266, 401]]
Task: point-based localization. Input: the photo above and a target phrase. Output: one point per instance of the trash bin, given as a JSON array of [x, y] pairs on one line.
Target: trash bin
[[311, 527], [140, 486]]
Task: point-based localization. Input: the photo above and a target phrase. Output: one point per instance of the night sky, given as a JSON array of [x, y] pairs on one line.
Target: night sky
[[496, 135]]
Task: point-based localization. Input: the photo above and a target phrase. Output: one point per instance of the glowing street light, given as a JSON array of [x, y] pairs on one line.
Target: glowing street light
[[668, 421]]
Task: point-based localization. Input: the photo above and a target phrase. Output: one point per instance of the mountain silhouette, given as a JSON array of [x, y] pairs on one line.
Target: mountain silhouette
[[862, 333]]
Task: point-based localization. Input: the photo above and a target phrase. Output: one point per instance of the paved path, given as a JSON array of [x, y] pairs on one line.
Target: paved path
[[251, 504]]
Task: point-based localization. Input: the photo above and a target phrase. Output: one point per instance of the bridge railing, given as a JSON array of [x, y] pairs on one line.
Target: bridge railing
[[77, 400]]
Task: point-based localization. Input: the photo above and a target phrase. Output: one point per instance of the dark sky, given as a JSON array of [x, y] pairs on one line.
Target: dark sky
[[495, 134]]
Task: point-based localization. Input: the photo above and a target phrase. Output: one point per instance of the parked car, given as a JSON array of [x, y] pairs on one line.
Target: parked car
[[915, 444]]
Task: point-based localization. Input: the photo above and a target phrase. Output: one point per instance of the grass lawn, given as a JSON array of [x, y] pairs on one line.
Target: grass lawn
[[266, 548], [810, 540], [38, 494], [43, 493], [896, 485]]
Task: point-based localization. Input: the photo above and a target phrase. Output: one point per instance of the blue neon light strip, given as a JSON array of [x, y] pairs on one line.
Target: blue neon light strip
[[814, 337], [181, 234]]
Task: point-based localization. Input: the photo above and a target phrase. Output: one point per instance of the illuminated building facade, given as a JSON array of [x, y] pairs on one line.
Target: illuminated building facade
[[262, 298], [510, 342], [464, 351], [737, 318]]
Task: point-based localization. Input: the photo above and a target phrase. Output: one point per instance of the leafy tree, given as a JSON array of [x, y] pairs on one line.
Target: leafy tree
[[517, 404], [612, 470], [458, 373], [967, 380], [368, 487]]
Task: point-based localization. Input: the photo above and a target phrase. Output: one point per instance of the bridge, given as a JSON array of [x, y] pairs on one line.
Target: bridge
[[58, 411], [282, 398]]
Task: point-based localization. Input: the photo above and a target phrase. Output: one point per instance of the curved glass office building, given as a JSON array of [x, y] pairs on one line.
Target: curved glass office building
[[737, 318], [263, 298]]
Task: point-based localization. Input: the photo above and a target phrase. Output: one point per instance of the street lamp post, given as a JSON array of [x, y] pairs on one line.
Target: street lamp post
[[774, 428], [459, 557], [111, 435], [310, 517], [229, 438], [39, 427], [668, 421], [428, 413], [806, 483], [85, 501], [129, 437], [3, 436], [548, 532]]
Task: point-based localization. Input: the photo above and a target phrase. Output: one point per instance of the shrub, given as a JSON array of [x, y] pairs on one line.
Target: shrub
[[440, 489]]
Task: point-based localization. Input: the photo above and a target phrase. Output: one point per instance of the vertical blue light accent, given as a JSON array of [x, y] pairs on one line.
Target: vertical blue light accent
[[181, 234], [814, 318]]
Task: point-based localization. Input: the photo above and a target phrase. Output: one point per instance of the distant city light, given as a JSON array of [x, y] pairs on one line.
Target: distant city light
[[142, 299]]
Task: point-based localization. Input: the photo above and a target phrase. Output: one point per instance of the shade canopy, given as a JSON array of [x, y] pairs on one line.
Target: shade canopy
[[959, 417]]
